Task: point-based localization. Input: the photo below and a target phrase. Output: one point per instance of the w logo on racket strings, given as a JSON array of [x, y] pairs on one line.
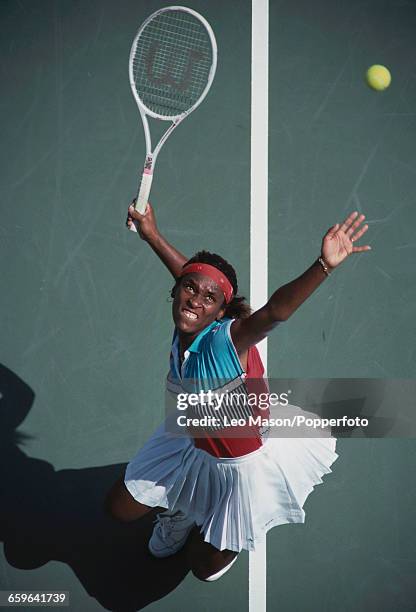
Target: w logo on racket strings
[[154, 66]]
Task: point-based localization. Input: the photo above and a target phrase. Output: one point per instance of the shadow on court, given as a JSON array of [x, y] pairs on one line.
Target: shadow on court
[[47, 515]]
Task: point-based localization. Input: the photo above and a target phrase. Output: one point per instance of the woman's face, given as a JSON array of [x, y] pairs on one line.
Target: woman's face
[[197, 303]]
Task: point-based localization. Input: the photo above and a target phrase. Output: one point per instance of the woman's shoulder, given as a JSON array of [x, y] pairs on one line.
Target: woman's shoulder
[[225, 321], [223, 325], [218, 335]]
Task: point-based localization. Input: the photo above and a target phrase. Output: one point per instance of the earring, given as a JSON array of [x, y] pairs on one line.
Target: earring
[[169, 298]]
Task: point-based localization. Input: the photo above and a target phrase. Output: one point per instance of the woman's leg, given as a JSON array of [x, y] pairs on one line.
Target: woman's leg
[[120, 504], [206, 560]]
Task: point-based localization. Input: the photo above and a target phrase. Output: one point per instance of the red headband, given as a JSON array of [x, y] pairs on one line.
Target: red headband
[[214, 274]]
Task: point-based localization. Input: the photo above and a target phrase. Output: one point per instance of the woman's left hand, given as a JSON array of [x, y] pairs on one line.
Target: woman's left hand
[[337, 243]]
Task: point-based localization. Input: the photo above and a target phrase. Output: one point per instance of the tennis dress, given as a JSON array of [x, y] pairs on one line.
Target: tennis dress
[[259, 482]]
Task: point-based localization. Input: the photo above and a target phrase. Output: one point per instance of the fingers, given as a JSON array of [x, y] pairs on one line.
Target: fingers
[[354, 226], [350, 225], [135, 214], [367, 247], [130, 212], [360, 232], [348, 222], [332, 230]]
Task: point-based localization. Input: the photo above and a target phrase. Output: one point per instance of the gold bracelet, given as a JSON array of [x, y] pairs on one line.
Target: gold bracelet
[[324, 266]]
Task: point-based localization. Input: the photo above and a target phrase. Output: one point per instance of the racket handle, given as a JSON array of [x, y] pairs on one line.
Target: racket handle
[[142, 196], [144, 191]]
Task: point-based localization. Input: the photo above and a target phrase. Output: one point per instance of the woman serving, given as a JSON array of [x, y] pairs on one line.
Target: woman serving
[[233, 486]]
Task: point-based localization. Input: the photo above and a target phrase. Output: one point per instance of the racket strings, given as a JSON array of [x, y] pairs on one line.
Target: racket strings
[[172, 63]]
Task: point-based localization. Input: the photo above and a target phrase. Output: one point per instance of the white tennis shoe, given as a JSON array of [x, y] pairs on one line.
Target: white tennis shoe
[[170, 533]]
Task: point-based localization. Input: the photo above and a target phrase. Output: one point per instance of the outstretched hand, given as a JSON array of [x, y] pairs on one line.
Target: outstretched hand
[[337, 243]]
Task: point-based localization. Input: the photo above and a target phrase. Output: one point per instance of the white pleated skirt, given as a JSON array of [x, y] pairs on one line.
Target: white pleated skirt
[[234, 501]]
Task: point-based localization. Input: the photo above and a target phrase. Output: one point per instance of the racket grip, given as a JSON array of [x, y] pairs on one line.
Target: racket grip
[[144, 191], [142, 197]]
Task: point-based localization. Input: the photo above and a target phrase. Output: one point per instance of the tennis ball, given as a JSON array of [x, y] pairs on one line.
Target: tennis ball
[[378, 77]]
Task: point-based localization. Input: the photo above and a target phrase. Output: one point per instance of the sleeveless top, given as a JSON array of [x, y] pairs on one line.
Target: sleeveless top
[[212, 363]]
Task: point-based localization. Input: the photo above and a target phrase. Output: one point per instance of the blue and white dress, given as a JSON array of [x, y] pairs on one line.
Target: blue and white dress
[[234, 501]]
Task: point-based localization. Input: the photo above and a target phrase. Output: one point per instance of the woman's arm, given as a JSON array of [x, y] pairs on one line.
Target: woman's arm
[[337, 245], [148, 231]]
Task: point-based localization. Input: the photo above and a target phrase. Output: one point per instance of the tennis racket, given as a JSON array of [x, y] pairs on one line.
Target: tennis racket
[[172, 64]]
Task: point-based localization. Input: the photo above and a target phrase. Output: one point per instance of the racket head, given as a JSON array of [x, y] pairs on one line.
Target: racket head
[[172, 63]]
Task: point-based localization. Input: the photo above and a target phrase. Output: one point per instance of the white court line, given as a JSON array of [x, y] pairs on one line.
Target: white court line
[[258, 229]]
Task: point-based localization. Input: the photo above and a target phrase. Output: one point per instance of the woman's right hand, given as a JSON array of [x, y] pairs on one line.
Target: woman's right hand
[[145, 223]]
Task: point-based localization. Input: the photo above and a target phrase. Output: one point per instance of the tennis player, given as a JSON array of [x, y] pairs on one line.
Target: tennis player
[[224, 491]]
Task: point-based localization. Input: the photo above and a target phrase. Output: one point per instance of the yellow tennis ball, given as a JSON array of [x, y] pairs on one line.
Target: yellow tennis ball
[[378, 77]]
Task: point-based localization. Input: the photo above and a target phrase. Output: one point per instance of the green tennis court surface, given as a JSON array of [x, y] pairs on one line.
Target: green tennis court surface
[[85, 322]]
